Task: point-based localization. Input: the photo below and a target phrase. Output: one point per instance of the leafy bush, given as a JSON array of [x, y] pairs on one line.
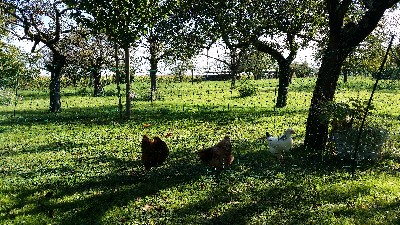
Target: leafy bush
[[302, 70], [247, 90], [345, 120], [352, 111], [84, 91]]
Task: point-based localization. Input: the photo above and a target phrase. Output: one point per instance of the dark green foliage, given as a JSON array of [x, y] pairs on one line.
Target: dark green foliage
[[338, 111], [389, 74], [246, 90], [16, 67], [302, 70]]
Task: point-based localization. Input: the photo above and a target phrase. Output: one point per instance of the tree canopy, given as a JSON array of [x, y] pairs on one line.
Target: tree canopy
[[16, 67]]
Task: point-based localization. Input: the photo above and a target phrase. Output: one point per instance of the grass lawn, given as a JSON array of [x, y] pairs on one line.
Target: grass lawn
[[82, 166]]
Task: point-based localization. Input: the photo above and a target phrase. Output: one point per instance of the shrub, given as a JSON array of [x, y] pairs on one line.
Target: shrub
[[247, 90]]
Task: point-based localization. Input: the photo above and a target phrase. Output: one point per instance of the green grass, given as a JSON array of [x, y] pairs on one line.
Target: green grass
[[82, 166]]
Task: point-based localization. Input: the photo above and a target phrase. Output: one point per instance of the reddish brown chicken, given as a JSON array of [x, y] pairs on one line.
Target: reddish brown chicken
[[219, 156], [154, 152]]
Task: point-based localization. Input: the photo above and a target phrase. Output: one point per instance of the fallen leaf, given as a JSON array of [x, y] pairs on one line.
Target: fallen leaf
[[146, 125]]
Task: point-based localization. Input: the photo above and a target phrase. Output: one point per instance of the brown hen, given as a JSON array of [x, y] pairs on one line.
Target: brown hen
[[154, 152], [219, 156]]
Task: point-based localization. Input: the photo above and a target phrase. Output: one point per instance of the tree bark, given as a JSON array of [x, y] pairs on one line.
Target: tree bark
[[98, 87], [153, 78], [55, 93], [55, 81], [324, 91], [285, 76], [234, 66], [117, 80], [153, 67], [96, 76]]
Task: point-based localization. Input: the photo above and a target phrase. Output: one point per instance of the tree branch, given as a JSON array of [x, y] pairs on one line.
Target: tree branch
[[355, 33], [264, 47]]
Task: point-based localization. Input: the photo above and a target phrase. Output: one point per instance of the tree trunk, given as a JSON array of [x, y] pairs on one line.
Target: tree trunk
[[285, 75], [154, 50], [55, 82], [235, 65], [233, 77], [180, 76], [153, 78], [153, 73], [98, 87], [117, 80], [328, 75], [128, 83], [345, 75], [55, 93]]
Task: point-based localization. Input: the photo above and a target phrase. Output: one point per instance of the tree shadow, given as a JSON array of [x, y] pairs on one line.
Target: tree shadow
[[104, 115], [59, 145], [84, 201], [289, 194], [80, 197]]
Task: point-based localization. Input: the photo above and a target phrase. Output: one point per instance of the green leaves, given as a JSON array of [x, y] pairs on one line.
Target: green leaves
[[16, 67]]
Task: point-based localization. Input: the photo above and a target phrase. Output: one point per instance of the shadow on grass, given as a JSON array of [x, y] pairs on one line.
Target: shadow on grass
[[287, 194], [270, 192], [84, 200], [103, 115], [53, 146]]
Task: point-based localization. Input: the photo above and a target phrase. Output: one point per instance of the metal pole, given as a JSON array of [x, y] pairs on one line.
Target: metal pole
[[379, 75]]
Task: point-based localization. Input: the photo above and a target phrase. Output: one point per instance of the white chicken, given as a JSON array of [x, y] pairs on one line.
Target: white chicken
[[278, 145]]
